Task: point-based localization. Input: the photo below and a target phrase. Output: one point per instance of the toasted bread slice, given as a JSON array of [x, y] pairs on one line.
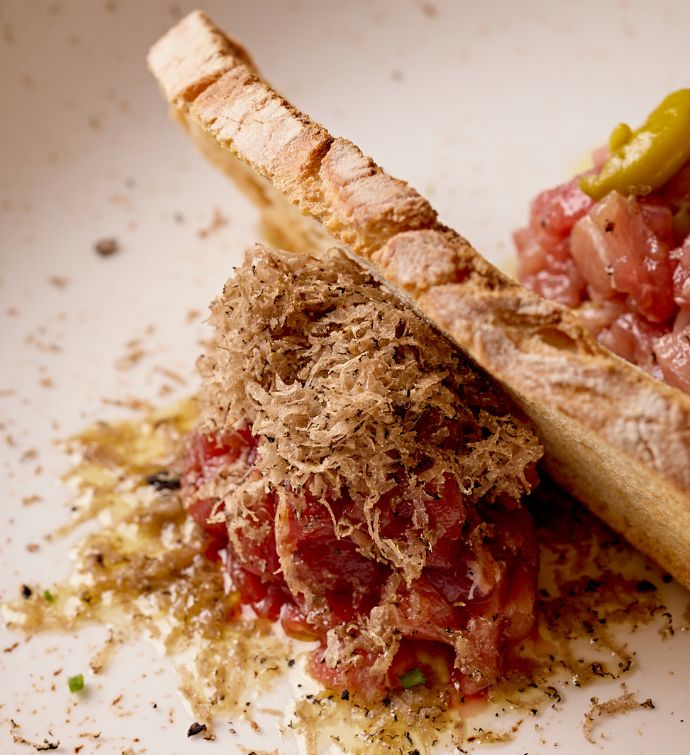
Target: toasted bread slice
[[616, 438]]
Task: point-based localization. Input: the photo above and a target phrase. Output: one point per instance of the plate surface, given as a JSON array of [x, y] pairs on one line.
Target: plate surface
[[478, 105]]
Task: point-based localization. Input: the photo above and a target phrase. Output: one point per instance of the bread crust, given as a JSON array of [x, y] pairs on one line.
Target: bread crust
[[615, 437]]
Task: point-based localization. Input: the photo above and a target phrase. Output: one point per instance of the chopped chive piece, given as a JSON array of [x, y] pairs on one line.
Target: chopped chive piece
[[76, 683], [49, 597], [412, 678]]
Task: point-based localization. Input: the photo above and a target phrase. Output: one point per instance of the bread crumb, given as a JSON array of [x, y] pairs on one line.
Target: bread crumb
[[107, 247], [46, 744], [615, 707], [133, 403], [218, 220], [58, 281], [174, 376], [133, 355], [36, 340]]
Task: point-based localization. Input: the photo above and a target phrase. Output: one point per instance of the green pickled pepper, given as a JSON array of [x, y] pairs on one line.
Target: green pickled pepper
[[645, 159]]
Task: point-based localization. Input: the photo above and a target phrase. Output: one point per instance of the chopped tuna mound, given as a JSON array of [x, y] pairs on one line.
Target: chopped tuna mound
[[624, 263], [364, 476]]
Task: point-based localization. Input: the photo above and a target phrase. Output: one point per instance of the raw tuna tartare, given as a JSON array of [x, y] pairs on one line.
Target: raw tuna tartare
[[615, 243]]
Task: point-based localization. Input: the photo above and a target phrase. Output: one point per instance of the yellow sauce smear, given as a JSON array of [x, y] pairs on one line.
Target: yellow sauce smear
[[141, 570]]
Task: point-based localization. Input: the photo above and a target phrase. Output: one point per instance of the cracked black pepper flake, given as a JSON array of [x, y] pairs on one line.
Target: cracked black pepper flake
[[195, 728], [598, 669], [46, 745], [644, 585], [27, 592], [291, 662], [345, 694], [648, 703], [163, 481]]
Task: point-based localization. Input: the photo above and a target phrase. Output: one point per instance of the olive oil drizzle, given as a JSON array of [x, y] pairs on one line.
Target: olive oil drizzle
[[142, 571]]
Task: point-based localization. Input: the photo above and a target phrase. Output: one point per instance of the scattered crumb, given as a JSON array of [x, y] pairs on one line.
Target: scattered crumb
[[32, 547], [617, 706], [29, 455], [174, 376], [47, 382], [107, 247], [35, 339], [192, 315], [217, 222], [133, 355], [46, 744], [120, 200], [29, 500], [58, 281], [8, 34], [130, 402], [429, 9], [27, 80], [102, 658]]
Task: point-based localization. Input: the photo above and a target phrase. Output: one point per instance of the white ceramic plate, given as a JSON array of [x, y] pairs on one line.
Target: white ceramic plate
[[478, 105]]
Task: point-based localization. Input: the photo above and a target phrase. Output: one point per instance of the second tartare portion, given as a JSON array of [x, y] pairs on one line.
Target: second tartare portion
[[615, 243]]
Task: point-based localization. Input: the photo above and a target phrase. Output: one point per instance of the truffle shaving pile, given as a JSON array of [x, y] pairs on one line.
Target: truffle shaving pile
[[351, 392]]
